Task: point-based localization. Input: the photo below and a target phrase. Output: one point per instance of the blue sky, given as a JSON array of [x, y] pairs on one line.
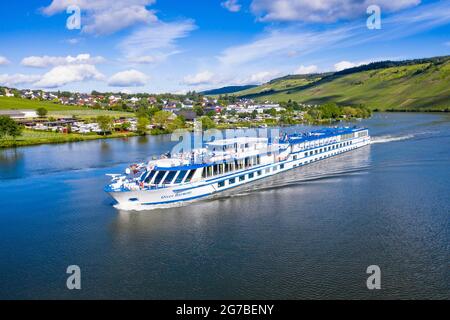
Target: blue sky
[[175, 46]]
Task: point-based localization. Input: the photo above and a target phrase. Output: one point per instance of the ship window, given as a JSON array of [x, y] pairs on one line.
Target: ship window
[[232, 180], [274, 168], [295, 157], [190, 175], [268, 170], [242, 178], [159, 176], [170, 177], [221, 184], [281, 166], [180, 176], [209, 171], [150, 176], [251, 175], [259, 172]]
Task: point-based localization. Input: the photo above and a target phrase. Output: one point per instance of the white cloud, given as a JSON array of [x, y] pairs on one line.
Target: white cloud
[[3, 61], [62, 75], [157, 41], [128, 78], [261, 77], [342, 65], [231, 5], [345, 65], [105, 16], [253, 78], [204, 77], [47, 61], [322, 10], [17, 79], [306, 69], [73, 40], [144, 59]]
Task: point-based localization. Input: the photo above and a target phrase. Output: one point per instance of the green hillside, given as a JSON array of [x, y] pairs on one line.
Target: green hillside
[[405, 85], [10, 103]]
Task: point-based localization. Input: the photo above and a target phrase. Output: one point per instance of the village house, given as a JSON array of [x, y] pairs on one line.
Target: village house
[[188, 115]]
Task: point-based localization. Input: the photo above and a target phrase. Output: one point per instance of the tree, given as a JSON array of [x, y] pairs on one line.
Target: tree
[[349, 112], [125, 126], [105, 123], [211, 113], [142, 123], [198, 110], [272, 112], [42, 112], [286, 119], [161, 119], [8, 127], [330, 111], [178, 123], [207, 123], [314, 114]]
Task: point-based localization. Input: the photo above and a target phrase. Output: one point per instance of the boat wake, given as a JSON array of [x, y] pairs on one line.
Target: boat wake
[[390, 138]]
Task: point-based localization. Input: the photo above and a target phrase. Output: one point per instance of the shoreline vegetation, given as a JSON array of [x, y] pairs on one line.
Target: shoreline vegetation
[[32, 138]]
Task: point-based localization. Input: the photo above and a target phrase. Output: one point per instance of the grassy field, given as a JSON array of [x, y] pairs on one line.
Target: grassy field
[[89, 113], [55, 110], [422, 86], [31, 137]]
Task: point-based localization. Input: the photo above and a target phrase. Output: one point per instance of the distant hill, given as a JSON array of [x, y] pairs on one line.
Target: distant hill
[[228, 90], [421, 84]]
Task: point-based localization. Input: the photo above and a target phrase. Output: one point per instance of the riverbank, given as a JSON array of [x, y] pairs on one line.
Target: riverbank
[[31, 137]]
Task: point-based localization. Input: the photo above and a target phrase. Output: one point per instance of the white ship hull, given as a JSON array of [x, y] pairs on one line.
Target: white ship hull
[[170, 196]]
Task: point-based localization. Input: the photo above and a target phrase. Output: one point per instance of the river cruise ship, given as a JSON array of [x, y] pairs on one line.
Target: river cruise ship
[[224, 164]]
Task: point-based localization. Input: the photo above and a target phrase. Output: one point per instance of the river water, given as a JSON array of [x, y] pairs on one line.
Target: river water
[[309, 233]]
